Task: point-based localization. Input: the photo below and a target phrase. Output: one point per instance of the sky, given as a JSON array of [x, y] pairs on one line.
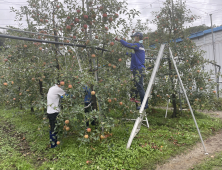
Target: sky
[[201, 8]]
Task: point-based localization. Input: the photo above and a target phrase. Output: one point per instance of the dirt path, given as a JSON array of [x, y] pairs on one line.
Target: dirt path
[[19, 143], [196, 155]]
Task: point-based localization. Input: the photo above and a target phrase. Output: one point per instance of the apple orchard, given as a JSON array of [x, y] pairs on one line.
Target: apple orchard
[[31, 68]]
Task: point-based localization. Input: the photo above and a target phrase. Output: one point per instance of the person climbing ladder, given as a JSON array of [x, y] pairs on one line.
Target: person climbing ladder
[[137, 63]]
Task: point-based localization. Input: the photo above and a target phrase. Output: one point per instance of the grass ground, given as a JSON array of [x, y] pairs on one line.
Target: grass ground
[[212, 163], [24, 143]]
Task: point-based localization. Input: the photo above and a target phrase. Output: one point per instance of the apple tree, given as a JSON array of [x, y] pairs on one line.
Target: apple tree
[[170, 22], [79, 60]]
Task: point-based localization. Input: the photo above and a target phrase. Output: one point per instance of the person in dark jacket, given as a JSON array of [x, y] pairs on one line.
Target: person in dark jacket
[[87, 101], [137, 63]]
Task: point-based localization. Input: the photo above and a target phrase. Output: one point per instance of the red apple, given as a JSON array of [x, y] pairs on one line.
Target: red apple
[[74, 37], [116, 15], [110, 19], [68, 17], [88, 129], [85, 26], [72, 24], [112, 43], [76, 20], [78, 11], [68, 27], [85, 16], [101, 8], [104, 15], [106, 28]]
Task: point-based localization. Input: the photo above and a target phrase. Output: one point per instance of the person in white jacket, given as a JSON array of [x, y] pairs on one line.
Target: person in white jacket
[[53, 97]]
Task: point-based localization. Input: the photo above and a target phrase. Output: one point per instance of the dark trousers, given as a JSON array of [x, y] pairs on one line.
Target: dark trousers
[[87, 110], [138, 81], [52, 121]]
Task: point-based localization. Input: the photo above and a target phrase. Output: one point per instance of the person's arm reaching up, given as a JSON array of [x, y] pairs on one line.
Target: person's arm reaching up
[[130, 45]]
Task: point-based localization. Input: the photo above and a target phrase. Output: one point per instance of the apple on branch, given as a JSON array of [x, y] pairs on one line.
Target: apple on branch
[[104, 15], [76, 20], [85, 26]]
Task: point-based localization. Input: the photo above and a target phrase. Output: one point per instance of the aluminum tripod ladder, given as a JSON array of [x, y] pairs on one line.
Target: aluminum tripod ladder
[[137, 125]]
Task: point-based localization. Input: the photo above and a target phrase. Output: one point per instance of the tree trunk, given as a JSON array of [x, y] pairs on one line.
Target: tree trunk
[[41, 88], [174, 106], [173, 96]]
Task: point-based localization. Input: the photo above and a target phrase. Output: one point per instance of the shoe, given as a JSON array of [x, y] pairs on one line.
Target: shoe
[[138, 108], [53, 139], [132, 99]]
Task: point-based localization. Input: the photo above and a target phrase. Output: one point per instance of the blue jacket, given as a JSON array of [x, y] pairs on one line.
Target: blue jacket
[[137, 58], [87, 94]]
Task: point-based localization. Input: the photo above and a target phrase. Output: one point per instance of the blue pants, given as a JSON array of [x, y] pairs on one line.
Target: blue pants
[[53, 139], [138, 81], [52, 132]]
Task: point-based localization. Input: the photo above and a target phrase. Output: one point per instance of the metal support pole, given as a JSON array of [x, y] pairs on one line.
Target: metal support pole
[[45, 41], [180, 100], [214, 53], [37, 33], [185, 94], [168, 101]]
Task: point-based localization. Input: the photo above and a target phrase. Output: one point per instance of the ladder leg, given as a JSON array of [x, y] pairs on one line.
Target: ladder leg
[[167, 108], [147, 121], [134, 132], [138, 128]]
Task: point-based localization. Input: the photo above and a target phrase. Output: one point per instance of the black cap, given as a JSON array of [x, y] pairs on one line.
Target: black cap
[[138, 34]]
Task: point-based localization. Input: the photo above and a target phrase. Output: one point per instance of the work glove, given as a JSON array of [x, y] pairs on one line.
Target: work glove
[[65, 95], [117, 39]]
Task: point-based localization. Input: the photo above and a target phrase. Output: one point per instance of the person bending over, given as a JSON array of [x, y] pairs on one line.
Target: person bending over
[[54, 94]]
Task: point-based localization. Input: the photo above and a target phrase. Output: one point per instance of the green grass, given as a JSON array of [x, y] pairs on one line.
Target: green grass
[[164, 138], [9, 156], [214, 163]]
